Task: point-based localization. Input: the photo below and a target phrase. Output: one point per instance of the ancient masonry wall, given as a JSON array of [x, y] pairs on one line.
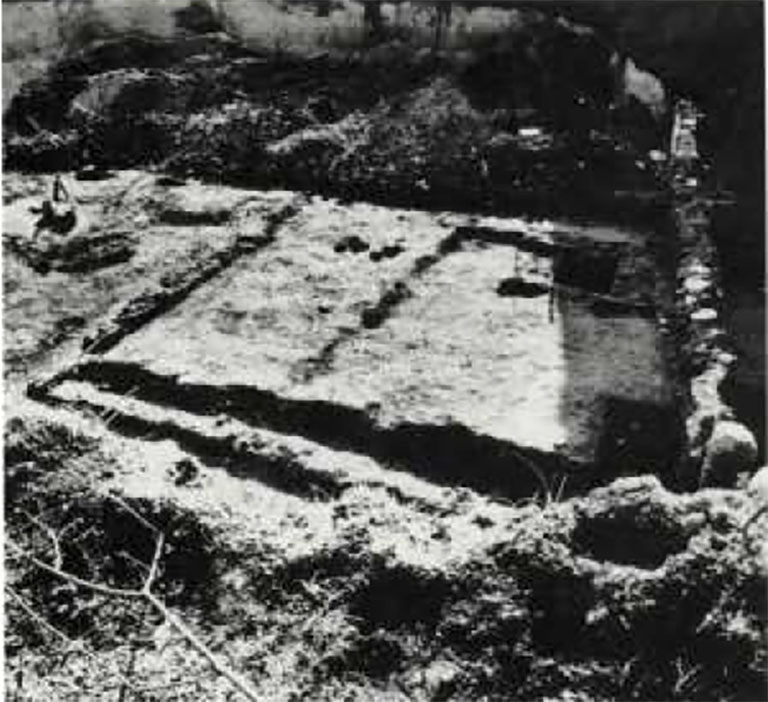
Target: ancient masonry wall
[[719, 447]]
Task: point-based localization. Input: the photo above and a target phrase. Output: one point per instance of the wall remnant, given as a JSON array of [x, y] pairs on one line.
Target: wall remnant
[[720, 448]]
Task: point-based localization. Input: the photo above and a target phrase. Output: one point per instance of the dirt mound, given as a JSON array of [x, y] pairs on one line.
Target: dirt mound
[[45, 102]]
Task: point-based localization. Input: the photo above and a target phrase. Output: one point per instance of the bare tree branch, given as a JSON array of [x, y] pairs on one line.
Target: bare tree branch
[[58, 559], [132, 511], [145, 593], [222, 668], [71, 577], [128, 557], [155, 564], [38, 619], [752, 519]]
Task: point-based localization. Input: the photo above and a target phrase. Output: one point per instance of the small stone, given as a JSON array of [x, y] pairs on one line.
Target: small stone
[[696, 284], [726, 358], [698, 269], [763, 558], [694, 522], [440, 677], [704, 315]]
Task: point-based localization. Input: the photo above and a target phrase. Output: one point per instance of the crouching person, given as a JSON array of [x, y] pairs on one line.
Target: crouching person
[[57, 214]]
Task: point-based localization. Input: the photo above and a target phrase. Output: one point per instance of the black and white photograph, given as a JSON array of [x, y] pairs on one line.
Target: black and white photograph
[[384, 351]]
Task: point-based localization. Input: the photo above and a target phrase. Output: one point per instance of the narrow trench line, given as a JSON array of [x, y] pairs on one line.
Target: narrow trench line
[[247, 457], [149, 305], [374, 316], [280, 470], [450, 454]]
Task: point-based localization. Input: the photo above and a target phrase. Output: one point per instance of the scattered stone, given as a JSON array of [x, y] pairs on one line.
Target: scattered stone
[[696, 284], [704, 315], [726, 358], [440, 678], [634, 521]]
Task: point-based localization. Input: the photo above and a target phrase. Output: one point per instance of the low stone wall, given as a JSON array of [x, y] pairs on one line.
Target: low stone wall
[[720, 448]]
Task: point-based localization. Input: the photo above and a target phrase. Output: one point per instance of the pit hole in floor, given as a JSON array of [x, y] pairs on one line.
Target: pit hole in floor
[[585, 269], [352, 244], [638, 527], [518, 287], [179, 217]]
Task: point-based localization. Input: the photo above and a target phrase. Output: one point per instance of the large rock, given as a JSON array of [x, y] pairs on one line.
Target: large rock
[[730, 450]]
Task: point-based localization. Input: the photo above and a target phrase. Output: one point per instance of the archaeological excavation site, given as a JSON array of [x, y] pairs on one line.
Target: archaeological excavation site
[[390, 351]]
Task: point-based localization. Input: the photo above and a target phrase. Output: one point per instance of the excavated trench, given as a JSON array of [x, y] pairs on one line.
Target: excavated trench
[[510, 357], [502, 354], [441, 454]]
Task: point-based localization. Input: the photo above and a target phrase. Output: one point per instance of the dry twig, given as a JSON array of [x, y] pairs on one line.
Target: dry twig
[[143, 593], [53, 537]]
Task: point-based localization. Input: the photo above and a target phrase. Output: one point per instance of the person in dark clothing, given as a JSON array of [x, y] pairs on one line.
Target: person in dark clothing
[[57, 214]]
